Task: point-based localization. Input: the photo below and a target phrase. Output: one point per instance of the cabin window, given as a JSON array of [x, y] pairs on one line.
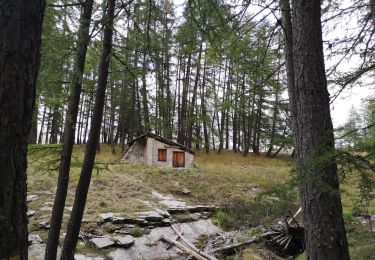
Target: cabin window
[[162, 155]]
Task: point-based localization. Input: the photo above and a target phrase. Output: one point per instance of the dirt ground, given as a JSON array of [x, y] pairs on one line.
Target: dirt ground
[[228, 180]]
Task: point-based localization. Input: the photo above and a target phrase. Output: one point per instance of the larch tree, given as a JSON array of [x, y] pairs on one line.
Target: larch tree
[[20, 34], [325, 234], [76, 216], [69, 132]]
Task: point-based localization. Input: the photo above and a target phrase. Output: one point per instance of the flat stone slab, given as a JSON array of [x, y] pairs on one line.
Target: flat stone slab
[[168, 200], [101, 242], [119, 220], [107, 216], [151, 216], [191, 209], [125, 241], [34, 239], [85, 257], [36, 252], [150, 247], [165, 214]]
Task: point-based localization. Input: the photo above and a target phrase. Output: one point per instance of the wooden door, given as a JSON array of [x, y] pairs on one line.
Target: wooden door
[[178, 159]]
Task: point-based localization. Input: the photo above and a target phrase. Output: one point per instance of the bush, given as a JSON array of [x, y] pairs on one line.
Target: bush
[[137, 232]]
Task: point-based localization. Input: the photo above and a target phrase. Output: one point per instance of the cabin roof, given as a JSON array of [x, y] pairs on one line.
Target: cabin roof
[[163, 140]]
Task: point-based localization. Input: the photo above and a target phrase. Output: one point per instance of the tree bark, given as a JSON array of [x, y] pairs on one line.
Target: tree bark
[[204, 110], [325, 234], [48, 125], [184, 101], [33, 136], [20, 33], [273, 129], [55, 123], [75, 220], [146, 117], [193, 101], [69, 132], [42, 126], [372, 12]]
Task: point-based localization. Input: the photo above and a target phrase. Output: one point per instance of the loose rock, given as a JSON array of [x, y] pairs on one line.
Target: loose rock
[[34, 239], [186, 192], [30, 213], [101, 242], [166, 222], [43, 225], [125, 241], [106, 216]]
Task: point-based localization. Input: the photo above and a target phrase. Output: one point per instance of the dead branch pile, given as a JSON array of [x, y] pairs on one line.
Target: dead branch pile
[[285, 239]]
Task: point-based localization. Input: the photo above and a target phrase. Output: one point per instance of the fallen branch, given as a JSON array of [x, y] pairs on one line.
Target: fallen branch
[[191, 245], [183, 248], [235, 246], [177, 238], [293, 218]]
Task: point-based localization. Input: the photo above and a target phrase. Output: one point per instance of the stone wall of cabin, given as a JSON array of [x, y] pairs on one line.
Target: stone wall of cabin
[[136, 153], [152, 154]]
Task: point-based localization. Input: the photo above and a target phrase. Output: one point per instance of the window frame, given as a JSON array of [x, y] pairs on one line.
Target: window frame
[[161, 151]]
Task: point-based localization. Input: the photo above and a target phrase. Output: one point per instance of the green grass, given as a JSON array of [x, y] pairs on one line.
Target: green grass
[[251, 190], [137, 232]]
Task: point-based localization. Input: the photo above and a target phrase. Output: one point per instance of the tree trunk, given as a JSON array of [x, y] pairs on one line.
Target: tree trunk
[[372, 12], [183, 112], [55, 123], [146, 116], [325, 234], [88, 116], [33, 136], [75, 220], [277, 151], [79, 121], [204, 112], [20, 31], [112, 119], [223, 107], [193, 101], [48, 125], [42, 126], [69, 132], [273, 129]]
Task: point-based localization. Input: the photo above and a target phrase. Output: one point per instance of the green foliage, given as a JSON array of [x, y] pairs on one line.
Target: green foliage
[[267, 206], [46, 158], [364, 170], [136, 231], [103, 203]]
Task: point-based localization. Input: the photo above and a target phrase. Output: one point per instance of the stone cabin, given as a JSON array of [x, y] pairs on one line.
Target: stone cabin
[[153, 149]]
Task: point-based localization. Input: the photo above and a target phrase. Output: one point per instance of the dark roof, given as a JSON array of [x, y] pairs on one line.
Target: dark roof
[[161, 139]]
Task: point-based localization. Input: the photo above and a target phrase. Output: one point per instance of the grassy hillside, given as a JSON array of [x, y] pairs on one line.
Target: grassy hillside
[[251, 191]]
